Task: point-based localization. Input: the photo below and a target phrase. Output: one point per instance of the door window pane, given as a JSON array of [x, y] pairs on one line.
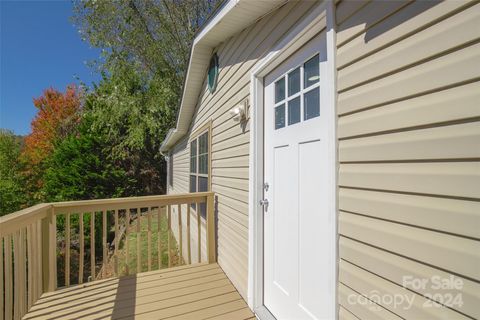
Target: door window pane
[[311, 104], [280, 90], [280, 116], [294, 111], [294, 82], [311, 71]]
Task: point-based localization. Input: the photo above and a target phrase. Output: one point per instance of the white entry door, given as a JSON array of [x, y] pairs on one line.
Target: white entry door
[[299, 268]]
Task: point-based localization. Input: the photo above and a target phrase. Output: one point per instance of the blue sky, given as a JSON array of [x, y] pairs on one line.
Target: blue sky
[[39, 48]]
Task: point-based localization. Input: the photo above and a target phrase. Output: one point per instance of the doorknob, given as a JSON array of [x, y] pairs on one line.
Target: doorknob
[[264, 203]]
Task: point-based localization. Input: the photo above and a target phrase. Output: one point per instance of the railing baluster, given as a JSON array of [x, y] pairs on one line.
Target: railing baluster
[[8, 278], [48, 256], [159, 238], [104, 242], [127, 235], [199, 233], [169, 235], [30, 264], [189, 249], [35, 264], [82, 249], [39, 280], [33, 270], [23, 273], [117, 242], [16, 275], [53, 250], [180, 234], [149, 238], [92, 245], [67, 250], [210, 227], [139, 259]]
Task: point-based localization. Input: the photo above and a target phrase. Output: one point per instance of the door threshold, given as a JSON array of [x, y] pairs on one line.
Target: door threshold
[[263, 313]]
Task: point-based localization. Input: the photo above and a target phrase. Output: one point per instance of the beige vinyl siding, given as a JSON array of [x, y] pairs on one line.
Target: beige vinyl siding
[[230, 142], [409, 149]]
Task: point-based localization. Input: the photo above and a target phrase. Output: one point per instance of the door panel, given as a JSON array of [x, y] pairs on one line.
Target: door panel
[[283, 221], [299, 282]]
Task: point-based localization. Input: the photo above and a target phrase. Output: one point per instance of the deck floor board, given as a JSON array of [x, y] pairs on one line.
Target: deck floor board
[[200, 291]]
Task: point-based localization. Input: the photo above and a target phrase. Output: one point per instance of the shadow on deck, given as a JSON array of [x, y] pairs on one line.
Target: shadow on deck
[[200, 291]]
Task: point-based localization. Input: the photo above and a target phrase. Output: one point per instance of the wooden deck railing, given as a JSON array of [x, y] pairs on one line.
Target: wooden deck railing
[[29, 242]]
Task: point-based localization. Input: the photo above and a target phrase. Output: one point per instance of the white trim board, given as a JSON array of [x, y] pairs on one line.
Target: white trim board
[[317, 20]]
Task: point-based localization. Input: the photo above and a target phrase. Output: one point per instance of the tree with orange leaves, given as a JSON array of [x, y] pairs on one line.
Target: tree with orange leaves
[[58, 115]]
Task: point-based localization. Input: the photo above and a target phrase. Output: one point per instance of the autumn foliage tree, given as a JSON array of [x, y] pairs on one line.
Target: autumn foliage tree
[[57, 116]]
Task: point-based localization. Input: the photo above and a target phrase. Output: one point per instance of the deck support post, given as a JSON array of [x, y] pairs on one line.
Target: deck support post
[[49, 255], [211, 239]]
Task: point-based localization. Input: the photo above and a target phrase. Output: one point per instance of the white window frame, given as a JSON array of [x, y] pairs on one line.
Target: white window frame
[[195, 137], [317, 20]]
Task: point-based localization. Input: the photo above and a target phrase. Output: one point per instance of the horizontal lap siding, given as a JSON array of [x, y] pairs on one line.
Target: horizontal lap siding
[[230, 142], [409, 150]]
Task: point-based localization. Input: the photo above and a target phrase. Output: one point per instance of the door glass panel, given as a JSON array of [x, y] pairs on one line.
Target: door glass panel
[[311, 104], [294, 82], [280, 116], [311, 71], [294, 111], [280, 90]]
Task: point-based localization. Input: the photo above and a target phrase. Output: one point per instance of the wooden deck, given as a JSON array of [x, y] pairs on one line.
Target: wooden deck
[[200, 291]]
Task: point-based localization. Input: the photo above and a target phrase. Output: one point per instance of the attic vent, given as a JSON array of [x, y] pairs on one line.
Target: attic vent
[[213, 73]]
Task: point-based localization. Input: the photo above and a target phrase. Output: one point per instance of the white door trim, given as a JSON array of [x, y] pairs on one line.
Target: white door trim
[[323, 16]]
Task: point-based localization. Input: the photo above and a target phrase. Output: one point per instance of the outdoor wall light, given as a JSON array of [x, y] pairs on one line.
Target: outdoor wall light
[[238, 113]]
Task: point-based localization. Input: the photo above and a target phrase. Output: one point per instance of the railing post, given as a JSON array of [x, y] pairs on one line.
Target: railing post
[[211, 245], [49, 251]]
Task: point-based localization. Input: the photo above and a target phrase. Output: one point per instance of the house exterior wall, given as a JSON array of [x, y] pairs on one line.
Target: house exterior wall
[[408, 147], [230, 141]]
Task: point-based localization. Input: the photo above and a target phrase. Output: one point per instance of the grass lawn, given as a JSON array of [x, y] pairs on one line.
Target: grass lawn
[[132, 245]]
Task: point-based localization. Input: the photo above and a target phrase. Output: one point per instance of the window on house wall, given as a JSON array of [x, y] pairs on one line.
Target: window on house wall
[[199, 168], [212, 75], [170, 170]]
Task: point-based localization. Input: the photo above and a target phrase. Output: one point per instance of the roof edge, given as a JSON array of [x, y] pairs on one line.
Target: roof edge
[[222, 25]]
